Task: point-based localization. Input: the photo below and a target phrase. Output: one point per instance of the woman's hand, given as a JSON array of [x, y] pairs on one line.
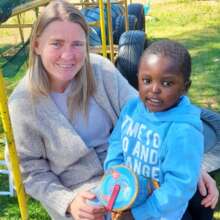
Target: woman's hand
[[208, 189], [79, 208]]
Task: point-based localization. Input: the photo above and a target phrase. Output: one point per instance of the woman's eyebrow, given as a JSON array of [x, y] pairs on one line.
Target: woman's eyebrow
[[55, 39], [62, 40]]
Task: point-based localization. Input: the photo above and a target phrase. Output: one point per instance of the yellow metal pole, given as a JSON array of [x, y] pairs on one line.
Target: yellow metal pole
[[12, 151], [102, 26], [126, 15], [110, 34], [20, 28]]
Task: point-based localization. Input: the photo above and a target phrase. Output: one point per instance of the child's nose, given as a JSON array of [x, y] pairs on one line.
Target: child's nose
[[155, 88]]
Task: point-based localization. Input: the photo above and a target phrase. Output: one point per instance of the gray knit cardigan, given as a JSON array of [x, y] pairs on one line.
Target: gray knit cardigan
[[54, 161]]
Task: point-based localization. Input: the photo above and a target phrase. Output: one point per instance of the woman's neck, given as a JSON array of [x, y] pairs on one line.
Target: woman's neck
[[59, 87]]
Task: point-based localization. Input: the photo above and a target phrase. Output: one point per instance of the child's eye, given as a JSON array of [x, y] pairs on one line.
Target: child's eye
[[146, 81], [167, 83]]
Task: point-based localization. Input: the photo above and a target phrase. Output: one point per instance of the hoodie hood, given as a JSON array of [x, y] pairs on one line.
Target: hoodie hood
[[183, 112]]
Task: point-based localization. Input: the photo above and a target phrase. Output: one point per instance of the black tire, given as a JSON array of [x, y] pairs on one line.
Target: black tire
[[92, 14], [120, 26], [211, 131], [130, 49], [138, 11], [5, 10], [94, 39], [116, 10]]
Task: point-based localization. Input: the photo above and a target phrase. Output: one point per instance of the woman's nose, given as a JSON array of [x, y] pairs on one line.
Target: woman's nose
[[67, 54]]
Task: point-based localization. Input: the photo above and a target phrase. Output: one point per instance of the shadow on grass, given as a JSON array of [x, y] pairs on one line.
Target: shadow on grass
[[13, 59], [4, 48]]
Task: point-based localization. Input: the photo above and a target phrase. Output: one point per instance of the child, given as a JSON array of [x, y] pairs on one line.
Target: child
[[159, 134]]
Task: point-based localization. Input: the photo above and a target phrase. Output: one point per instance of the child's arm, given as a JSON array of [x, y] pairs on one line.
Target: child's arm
[[115, 153], [180, 168]]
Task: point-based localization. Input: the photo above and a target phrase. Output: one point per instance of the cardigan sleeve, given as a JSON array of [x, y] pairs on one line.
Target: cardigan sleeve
[[39, 181]]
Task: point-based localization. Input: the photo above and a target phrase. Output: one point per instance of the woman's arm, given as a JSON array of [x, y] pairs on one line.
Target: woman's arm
[[39, 181], [34, 150]]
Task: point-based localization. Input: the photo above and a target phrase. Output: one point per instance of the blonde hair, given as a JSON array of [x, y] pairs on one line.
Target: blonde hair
[[39, 84]]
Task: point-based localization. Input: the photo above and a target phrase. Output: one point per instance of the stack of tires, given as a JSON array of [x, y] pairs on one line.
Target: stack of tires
[[130, 48], [92, 14], [130, 44]]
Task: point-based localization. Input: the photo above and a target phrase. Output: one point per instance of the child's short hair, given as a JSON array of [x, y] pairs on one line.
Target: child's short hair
[[174, 51]]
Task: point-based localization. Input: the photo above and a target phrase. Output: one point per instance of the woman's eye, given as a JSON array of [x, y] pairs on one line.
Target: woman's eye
[[167, 83], [146, 81], [55, 44], [78, 44]]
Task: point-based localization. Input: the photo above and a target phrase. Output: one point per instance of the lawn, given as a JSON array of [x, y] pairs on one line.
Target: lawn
[[196, 24]]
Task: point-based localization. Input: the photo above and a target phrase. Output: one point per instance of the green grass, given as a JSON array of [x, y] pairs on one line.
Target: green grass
[[9, 206], [196, 24]]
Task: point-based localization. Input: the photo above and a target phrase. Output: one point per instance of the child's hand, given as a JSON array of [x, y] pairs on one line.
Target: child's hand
[[123, 215]]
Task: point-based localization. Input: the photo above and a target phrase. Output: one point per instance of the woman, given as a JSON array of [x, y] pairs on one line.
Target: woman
[[63, 112]]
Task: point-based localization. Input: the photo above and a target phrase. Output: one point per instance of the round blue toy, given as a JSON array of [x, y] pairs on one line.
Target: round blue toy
[[121, 188]]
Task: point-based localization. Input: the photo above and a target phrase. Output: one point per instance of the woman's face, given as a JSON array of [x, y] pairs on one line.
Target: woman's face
[[62, 48], [159, 86]]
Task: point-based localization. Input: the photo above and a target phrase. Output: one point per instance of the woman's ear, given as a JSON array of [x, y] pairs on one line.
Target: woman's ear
[[35, 45]]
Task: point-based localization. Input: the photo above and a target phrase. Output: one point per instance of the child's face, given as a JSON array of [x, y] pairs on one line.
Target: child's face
[[159, 87]]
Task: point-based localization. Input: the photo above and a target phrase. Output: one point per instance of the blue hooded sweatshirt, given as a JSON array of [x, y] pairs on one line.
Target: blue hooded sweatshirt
[[166, 146]]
